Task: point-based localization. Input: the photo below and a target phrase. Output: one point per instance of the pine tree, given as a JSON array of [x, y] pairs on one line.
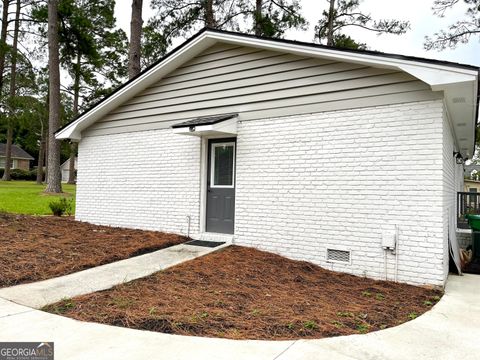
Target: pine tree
[[12, 93], [346, 13], [176, 18], [54, 184], [459, 32], [135, 39], [3, 42], [92, 50], [273, 17]]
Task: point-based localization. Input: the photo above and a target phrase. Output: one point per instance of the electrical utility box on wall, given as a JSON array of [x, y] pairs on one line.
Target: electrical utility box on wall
[[389, 240]]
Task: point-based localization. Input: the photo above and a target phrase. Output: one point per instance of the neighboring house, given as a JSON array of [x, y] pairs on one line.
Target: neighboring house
[[472, 169], [65, 169], [20, 158], [239, 138], [467, 202], [471, 185]]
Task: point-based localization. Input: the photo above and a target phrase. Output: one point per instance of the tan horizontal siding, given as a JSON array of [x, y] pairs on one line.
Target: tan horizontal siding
[[222, 58], [217, 48], [249, 81], [261, 93], [285, 79], [241, 107], [260, 61], [249, 72], [168, 120], [222, 62]]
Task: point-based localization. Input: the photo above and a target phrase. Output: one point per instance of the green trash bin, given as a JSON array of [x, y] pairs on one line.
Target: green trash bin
[[474, 222]]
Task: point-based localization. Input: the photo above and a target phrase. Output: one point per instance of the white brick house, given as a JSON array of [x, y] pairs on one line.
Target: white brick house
[[311, 152]]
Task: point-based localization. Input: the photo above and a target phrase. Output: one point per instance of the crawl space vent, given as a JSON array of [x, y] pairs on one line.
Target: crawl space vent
[[340, 256]]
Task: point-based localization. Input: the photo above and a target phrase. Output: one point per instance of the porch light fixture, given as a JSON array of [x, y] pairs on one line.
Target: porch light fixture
[[458, 157]]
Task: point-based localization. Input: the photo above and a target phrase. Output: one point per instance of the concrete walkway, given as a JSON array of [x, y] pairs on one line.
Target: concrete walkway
[[41, 293], [451, 330]]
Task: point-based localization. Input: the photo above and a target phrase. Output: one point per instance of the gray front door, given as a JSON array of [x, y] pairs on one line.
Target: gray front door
[[221, 185]]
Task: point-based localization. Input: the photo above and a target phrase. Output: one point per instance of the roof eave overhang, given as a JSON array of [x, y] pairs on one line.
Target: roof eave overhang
[[456, 82], [459, 84], [170, 63], [18, 157]]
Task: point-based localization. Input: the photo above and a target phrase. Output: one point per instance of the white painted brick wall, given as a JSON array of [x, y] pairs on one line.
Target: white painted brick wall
[[304, 183], [340, 179], [145, 180]]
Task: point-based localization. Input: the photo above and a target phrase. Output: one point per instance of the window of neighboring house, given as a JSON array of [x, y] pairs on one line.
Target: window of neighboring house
[[474, 190], [13, 164]]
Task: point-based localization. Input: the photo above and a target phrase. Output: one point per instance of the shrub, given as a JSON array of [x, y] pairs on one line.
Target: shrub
[[19, 174], [61, 207]]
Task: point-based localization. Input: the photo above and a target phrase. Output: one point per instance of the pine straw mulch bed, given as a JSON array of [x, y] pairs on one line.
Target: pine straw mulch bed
[[36, 248], [243, 293]]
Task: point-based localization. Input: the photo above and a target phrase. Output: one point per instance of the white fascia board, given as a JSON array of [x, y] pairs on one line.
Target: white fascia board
[[73, 130], [436, 78]]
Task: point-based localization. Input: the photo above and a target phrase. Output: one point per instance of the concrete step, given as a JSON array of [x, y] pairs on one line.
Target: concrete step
[[209, 236]]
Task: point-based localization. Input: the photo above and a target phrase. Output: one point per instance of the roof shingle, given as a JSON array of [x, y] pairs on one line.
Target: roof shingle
[[17, 152]]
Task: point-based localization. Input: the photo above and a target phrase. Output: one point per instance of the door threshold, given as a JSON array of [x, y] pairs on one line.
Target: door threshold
[[216, 237], [205, 243]]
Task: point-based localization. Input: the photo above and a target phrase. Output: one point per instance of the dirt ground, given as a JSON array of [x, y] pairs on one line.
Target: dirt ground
[[36, 248], [243, 293]]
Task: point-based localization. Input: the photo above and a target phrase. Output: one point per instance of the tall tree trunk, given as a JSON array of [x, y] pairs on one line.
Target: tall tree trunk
[[331, 13], [209, 18], [135, 39], [3, 40], [3, 51], [76, 98], [41, 153], [54, 184], [8, 154], [45, 159], [13, 91], [258, 17]]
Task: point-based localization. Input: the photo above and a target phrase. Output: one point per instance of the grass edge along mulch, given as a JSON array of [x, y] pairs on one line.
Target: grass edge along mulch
[[35, 248], [28, 197], [244, 293]]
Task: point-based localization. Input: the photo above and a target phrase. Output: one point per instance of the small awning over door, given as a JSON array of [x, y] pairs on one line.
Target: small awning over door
[[225, 125]]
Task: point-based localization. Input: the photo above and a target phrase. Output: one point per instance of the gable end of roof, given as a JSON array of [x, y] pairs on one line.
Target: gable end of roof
[[451, 78]]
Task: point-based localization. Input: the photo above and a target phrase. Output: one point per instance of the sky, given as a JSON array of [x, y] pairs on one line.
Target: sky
[[418, 12]]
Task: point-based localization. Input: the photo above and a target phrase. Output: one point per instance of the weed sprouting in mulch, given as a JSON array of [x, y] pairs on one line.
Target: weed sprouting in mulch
[[34, 248], [243, 293]]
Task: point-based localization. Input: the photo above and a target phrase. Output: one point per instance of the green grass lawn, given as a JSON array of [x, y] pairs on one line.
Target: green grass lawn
[[26, 197]]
